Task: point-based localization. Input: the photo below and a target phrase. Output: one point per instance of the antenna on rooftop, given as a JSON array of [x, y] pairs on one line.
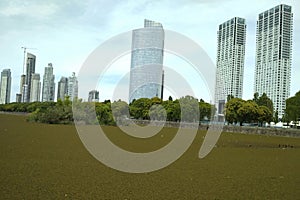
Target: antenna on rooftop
[[25, 48]]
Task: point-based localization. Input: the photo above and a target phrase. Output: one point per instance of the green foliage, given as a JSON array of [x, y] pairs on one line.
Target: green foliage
[[231, 110], [248, 112], [264, 100], [239, 110], [107, 113], [292, 111], [139, 108]]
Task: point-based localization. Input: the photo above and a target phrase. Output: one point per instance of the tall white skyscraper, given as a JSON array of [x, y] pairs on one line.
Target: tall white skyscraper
[[62, 90], [147, 61], [5, 86], [230, 61], [30, 69], [48, 84], [274, 55], [35, 88], [73, 87]]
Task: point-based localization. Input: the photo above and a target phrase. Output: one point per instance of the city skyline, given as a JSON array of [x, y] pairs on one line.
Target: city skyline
[[61, 46]]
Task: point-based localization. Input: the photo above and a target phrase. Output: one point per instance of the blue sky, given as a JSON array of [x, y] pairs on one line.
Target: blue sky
[[66, 32]]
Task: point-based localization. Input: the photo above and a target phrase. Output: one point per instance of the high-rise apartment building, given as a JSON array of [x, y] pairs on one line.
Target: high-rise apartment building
[[73, 87], [19, 97], [30, 69], [48, 91], [93, 96], [274, 55], [147, 61], [230, 61], [5, 86], [35, 88], [62, 90]]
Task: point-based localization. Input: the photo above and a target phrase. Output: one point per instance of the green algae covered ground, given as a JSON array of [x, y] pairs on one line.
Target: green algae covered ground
[[40, 161]]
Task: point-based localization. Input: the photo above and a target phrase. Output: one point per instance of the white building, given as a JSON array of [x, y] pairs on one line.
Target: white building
[[274, 55], [30, 69], [230, 61], [62, 90], [73, 87], [35, 89], [48, 91], [147, 61], [5, 86]]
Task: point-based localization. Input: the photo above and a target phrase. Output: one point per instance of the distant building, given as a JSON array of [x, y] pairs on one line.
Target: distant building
[[18, 98], [30, 69], [35, 89], [274, 33], [24, 93], [48, 91], [93, 96], [230, 62], [147, 61], [5, 86], [62, 90], [73, 87]]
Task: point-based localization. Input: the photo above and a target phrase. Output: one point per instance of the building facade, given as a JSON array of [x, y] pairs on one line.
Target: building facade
[[93, 96], [5, 86], [30, 69], [146, 68], [35, 88], [274, 55], [62, 90], [230, 61], [48, 91], [73, 87]]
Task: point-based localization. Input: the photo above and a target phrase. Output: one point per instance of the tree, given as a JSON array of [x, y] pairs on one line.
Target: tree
[[264, 115], [120, 111], [231, 110], [172, 109], [139, 108], [206, 110], [275, 118], [248, 112], [189, 109], [292, 110], [157, 112], [264, 100]]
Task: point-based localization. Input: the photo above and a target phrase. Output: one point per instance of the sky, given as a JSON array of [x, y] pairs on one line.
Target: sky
[[65, 33]]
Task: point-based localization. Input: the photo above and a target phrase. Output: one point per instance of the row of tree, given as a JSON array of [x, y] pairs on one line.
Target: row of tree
[[187, 109], [258, 110]]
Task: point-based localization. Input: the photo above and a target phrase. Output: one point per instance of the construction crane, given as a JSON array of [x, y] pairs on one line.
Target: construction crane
[[25, 48]]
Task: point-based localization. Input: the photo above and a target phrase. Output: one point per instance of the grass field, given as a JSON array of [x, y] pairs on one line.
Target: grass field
[[40, 161]]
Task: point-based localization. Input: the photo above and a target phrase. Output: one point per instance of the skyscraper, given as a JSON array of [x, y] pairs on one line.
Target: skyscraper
[[274, 55], [230, 61], [5, 86], [30, 69], [48, 84], [35, 88], [62, 90], [146, 61], [93, 96], [73, 87], [19, 96]]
